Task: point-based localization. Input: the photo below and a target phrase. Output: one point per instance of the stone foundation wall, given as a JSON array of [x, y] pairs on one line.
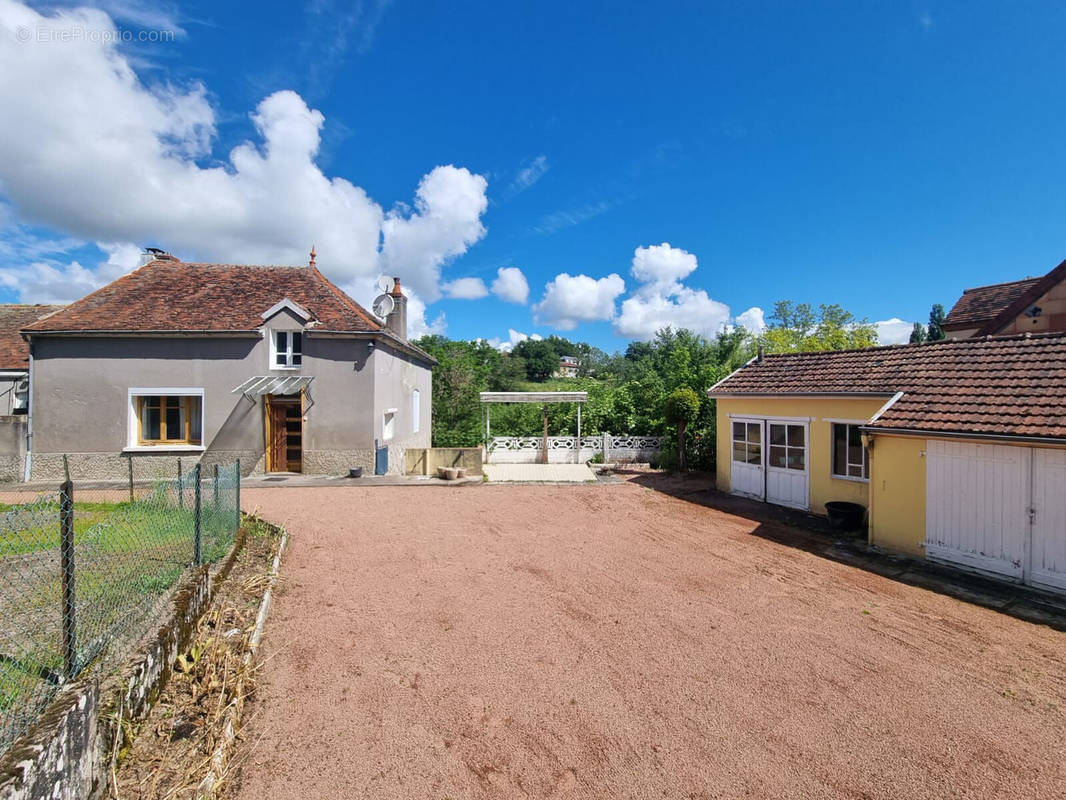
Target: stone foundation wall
[[146, 466], [338, 462]]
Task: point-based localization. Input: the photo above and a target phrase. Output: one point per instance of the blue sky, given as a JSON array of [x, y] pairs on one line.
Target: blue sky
[[883, 156]]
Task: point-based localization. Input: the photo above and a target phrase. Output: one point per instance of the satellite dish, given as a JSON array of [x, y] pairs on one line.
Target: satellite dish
[[383, 305], [385, 284]]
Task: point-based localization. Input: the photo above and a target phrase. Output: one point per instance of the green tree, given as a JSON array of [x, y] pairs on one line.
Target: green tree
[[794, 327], [540, 358], [936, 323], [918, 335], [681, 408]]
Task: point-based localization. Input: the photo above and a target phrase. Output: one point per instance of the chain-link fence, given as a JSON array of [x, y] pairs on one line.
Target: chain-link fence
[[83, 571]]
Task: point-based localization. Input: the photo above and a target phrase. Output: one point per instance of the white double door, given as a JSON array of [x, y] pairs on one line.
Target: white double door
[[770, 460], [998, 508]]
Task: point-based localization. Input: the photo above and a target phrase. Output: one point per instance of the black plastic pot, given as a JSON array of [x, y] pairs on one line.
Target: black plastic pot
[[355, 472], [845, 516]]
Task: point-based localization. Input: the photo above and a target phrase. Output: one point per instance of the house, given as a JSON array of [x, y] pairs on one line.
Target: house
[[957, 448], [568, 367], [272, 365], [1033, 305], [15, 354]]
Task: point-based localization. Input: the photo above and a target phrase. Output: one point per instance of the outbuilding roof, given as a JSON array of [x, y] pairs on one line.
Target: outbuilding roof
[[170, 295], [14, 350], [999, 386], [990, 309]]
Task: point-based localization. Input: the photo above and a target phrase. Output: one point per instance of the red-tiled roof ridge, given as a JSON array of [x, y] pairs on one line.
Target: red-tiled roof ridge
[[1002, 283], [344, 298], [998, 386], [939, 342], [171, 295], [1030, 296]]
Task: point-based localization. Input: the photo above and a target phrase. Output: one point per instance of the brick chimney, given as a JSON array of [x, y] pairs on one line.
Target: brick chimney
[[396, 322]]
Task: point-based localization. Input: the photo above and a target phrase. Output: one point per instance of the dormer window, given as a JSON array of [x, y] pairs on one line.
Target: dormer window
[[287, 350]]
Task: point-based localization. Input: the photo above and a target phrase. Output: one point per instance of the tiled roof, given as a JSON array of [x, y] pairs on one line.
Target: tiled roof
[[993, 308], [1003, 386], [14, 350], [984, 303], [169, 295]]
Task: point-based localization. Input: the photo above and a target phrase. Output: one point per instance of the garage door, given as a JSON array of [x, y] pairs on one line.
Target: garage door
[[999, 509]]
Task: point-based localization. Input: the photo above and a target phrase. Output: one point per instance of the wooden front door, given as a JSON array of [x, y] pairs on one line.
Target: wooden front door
[[284, 435]]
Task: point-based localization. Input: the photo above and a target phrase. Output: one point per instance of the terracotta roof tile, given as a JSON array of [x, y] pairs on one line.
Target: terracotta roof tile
[[14, 350], [176, 296], [1009, 385], [983, 304]]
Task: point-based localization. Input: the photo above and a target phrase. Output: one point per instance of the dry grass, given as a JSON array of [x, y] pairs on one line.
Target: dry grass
[[173, 748]]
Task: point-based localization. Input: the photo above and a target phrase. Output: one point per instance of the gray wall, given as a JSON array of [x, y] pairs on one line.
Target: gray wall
[[81, 398]]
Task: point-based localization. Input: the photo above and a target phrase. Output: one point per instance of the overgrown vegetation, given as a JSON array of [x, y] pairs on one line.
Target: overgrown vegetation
[[628, 391]]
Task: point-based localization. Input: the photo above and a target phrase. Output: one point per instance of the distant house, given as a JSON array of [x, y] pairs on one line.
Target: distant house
[[272, 365], [1032, 305], [15, 354], [568, 367], [957, 448]]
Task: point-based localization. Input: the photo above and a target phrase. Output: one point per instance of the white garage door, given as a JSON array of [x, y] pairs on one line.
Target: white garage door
[[998, 508]]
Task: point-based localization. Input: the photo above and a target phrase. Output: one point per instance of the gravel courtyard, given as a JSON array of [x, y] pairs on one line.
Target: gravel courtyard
[[612, 641]]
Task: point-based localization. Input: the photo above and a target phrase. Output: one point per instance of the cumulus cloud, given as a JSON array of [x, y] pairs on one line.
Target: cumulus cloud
[[661, 299], [511, 285], [754, 320], [570, 299], [893, 331], [644, 314], [445, 221], [465, 289], [513, 338], [104, 157], [661, 265]]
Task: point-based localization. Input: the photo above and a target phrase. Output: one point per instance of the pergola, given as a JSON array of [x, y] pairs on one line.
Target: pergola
[[543, 398]]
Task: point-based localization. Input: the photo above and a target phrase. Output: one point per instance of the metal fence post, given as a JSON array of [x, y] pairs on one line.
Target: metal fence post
[[181, 488], [197, 544], [215, 497], [66, 566], [130, 458], [237, 470]]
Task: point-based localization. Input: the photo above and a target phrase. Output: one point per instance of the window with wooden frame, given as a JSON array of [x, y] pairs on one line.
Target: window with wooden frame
[[286, 350], [850, 459], [169, 419]]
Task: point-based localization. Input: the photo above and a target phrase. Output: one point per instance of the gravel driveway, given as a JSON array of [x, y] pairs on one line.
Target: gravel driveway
[[611, 641]]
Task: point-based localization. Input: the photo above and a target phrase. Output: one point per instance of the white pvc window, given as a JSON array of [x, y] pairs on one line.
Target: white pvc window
[[416, 411], [287, 350], [850, 459]]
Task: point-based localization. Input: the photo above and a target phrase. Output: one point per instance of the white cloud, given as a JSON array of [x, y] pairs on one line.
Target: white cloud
[[893, 331], [511, 285], [513, 338], [753, 320], [465, 289], [661, 265], [445, 221], [102, 156], [662, 300], [558, 220], [529, 174], [569, 300], [644, 314]]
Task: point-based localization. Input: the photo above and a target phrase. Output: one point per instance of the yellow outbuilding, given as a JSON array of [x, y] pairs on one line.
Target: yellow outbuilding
[[956, 449]]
